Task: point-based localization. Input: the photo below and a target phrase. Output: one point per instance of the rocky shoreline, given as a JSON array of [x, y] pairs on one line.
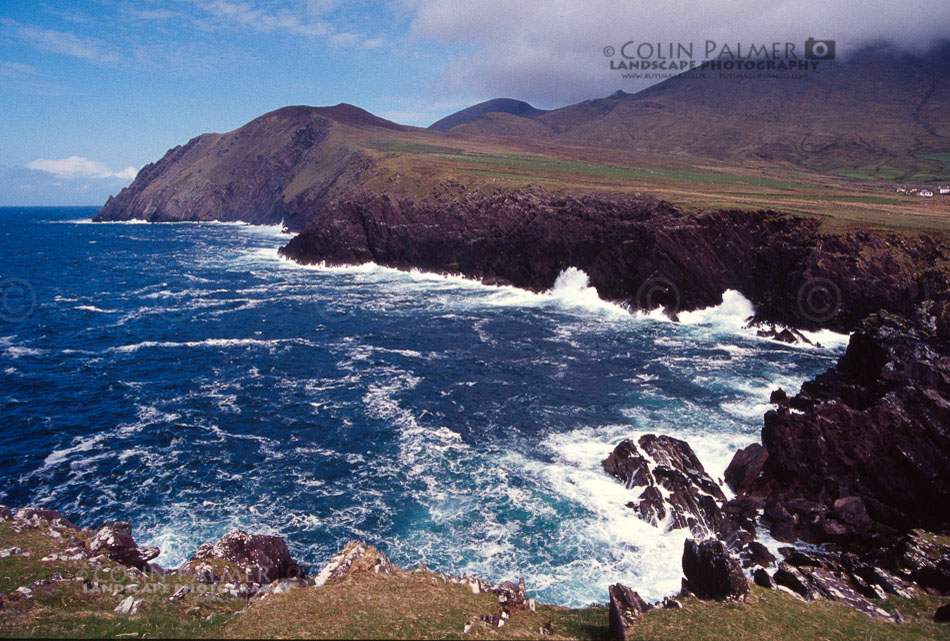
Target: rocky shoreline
[[243, 568], [858, 459]]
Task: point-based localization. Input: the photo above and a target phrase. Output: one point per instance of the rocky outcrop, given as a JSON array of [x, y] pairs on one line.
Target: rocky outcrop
[[115, 541], [864, 449], [38, 517], [625, 609], [672, 489], [644, 253], [355, 558], [263, 559], [860, 580], [711, 572]]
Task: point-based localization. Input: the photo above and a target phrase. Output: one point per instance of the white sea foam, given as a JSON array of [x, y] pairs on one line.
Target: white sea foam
[[79, 445], [571, 289], [93, 308], [732, 314], [208, 342], [19, 351]]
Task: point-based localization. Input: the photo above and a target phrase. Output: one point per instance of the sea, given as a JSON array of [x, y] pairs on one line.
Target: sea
[[185, 378]]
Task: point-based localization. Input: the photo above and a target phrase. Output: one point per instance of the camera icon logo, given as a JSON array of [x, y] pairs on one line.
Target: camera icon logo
[[819, 49]]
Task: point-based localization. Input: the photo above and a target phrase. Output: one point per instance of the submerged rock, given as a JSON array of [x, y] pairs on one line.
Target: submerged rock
[[745, 466]]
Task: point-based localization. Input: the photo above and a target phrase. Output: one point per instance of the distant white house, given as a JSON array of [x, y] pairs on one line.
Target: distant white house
[[926, 193], [944, 190]]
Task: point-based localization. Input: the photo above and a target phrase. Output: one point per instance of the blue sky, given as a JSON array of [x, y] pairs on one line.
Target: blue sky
[[91, 91]]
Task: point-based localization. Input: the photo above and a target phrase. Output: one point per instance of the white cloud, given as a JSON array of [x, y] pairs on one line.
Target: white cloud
[[79, 167], [64, 42], [261, 17], [551, 52]]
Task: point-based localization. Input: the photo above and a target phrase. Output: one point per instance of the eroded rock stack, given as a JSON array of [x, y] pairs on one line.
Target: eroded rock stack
[[676, 491]]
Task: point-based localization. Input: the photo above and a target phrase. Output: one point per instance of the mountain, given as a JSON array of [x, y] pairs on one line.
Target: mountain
[[279, 167], [495, 105], [702, 141], [876, 106]]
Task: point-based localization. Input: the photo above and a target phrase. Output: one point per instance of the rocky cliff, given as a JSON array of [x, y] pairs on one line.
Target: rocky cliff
[[864, 449], [644, 253]]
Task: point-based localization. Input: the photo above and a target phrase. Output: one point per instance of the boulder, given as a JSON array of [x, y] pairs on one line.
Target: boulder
[[790, 577], [279, 587], [887, 581], [626, 607], [129, 606], [711, 572], [835, 588], [356, 557], [745, 467], [812, 581], [36, 516], [205, 573], [262, 558], [942, 615], [851, 511], [762, 579], [6, 514], [778, 397], [115, 541], [756, 554]]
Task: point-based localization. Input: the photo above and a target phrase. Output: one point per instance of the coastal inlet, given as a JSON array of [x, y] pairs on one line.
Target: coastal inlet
[[185, 378]]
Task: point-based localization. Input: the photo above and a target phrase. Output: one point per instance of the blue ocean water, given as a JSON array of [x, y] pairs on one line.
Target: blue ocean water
[[186, 379]]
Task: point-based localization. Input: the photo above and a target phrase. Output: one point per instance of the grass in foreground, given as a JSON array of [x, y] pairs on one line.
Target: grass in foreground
[[403, 606]]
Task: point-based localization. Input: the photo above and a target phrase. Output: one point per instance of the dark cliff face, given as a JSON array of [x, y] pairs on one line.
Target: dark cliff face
[[279, 167], [874, 429], [644, 253]]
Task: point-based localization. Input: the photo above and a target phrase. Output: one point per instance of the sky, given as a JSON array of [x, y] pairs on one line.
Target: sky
[[92, 91]]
